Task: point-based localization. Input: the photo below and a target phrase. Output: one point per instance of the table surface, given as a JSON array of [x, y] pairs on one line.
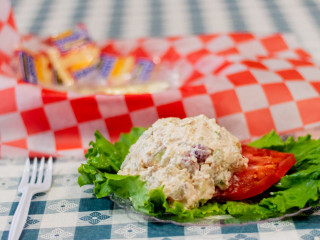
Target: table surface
[[67, 211], [139, 18]]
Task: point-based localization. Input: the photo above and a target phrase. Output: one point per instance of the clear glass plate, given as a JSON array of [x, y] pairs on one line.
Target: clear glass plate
[[206, 221], [219, 219]]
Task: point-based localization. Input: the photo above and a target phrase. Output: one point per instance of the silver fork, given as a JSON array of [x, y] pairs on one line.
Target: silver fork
[[40, 181]]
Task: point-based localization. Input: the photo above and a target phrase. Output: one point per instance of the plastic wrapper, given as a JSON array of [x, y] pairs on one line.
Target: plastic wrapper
[[72, 55]]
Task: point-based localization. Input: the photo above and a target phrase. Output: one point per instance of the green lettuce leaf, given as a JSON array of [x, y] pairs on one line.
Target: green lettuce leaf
[[108, 157], [298, 189]]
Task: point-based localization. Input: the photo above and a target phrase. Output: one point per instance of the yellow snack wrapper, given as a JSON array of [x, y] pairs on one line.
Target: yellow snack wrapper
[[35, 67], [73, 55]]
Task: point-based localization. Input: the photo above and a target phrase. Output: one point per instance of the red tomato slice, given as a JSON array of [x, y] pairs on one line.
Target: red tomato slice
[[265, 168]]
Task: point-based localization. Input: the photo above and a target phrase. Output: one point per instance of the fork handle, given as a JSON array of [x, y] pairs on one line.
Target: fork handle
[[20, 215]]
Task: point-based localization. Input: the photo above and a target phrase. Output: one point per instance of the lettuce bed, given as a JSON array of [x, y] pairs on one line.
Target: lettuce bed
[[298, 189]]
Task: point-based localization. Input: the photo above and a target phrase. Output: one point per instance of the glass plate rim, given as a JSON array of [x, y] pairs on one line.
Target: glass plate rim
[[129, 209]]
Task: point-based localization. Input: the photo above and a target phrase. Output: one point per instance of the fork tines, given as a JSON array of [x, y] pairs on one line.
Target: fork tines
[[38, 175]]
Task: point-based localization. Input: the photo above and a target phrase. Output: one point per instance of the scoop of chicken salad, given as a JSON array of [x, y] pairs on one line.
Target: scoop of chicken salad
[[188, 157]]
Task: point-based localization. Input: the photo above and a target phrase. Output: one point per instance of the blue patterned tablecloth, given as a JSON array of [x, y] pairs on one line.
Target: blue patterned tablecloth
[[70, 212]]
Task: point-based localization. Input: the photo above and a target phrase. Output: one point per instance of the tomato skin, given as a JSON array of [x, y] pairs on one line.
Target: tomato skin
[[265, 168]]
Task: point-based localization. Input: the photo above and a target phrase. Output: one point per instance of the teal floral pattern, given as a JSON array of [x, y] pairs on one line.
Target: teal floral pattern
[[242, 237], [312, 235], [94, 218], [30, 221]]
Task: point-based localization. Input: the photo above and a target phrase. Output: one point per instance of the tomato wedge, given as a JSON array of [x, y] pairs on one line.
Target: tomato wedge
[[265, 168]]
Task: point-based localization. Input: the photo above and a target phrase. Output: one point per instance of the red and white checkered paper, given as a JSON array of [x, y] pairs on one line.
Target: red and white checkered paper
[[249, 83]]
